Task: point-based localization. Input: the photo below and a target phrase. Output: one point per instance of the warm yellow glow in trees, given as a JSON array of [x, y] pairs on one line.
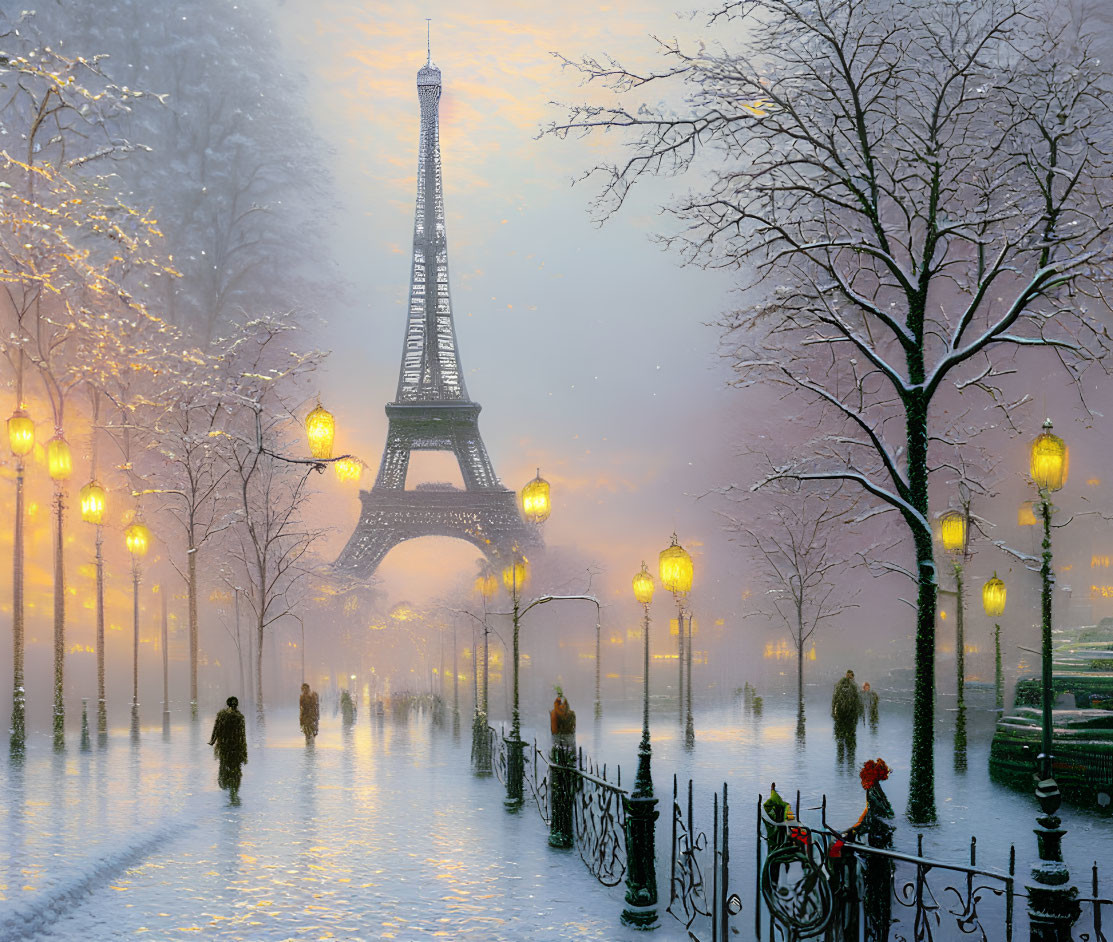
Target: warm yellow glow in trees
[[1050, 460], [348, 469], [59, 461], [675, 566], [320, 427], [1026, 515], [486, 584], [138, 538], [993, 597], [643, 586], [952, 531], [21, 434], [93, 499], [535, 499]]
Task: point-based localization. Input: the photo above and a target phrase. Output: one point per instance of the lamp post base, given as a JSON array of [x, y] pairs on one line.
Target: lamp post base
[[1053, 906], [515, 774], [641, 873]]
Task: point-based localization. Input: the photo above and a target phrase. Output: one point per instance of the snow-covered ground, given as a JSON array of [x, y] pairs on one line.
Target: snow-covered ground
[[384, 833]]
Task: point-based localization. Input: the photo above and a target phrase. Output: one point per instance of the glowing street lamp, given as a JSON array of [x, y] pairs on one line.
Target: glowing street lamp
[[59, 460], [536, 504], [993, 601], [21, 441], [676, 570], [93, 500], [138, 539], [348, 469], [59, 463], [320, 428], [1052, 903], [954, 531], [641, 882]]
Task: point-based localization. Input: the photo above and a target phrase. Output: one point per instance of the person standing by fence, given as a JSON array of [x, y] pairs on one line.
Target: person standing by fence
[[562, 725]]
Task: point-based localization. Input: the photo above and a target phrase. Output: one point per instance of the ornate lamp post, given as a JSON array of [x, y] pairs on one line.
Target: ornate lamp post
[[93, 501], [320, 429], [993, 601], [138, 539], [1052, 904], [954, 533], [675, 567], [641, 806], [487, 586], [514, 577], [59, 463], [21, 441], [536, 505]]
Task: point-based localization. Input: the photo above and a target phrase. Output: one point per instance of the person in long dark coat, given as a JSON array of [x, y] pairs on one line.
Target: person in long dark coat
[[229, 742], [310, 712], [846, 710]]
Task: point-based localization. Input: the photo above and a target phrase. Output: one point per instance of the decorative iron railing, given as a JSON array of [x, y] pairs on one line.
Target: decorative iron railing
[[599, 824], [496, 743]]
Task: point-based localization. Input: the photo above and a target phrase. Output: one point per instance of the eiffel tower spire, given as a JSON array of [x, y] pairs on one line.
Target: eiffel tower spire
[[431, 410], [430, 362]]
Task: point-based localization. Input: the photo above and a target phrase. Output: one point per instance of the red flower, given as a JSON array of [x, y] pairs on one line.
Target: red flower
[[874, 771]]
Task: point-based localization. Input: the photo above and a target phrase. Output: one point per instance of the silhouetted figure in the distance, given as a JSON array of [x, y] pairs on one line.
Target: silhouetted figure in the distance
[[347, 708], [229, 742], [310, 713], [870, 704]]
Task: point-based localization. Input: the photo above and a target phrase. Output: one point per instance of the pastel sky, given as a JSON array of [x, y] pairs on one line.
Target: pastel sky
[[587, 347]]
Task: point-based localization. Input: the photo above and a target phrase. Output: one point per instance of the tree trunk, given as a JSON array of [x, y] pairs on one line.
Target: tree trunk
[[259, 670], [921, 786], [192, 555]]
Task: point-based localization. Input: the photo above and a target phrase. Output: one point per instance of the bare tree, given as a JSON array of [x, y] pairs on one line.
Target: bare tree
[[914, 194], [270, 539], [801, 570]]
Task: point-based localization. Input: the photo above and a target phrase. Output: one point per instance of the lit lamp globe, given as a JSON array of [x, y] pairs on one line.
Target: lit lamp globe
[[535, 499], [514, 576], [21, 434], [952, 531], [993, 597], [320, 428], [1050, 460], [59, 461], [675, 567], [643, 586], [348, 469], [486, 585], [138, 538], [93, 499]]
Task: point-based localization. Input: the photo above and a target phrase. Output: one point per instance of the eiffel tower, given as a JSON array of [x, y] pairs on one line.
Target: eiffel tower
[[432, 411]]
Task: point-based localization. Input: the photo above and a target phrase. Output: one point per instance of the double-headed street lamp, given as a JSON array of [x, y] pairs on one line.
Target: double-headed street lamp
[[641, 806], [675, 567], [1052, 903], [993, 601], [21, 441]]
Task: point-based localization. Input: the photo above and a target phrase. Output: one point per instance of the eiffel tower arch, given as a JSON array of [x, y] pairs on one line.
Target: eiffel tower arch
[[432, 410]]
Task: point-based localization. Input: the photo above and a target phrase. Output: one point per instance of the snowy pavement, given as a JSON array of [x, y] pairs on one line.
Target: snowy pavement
[[379, 833]]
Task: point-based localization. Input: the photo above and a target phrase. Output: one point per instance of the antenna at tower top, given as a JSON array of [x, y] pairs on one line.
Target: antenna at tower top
[[428, 42]]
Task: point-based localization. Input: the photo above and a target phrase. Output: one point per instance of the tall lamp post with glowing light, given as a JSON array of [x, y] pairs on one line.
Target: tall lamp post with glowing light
[[138, 539], [514, 578], [93, 500], [675, 567], [59, 463], [21, 441], [1052, 903], [954, 534], [487, 585], [993, 601], [641, 806]]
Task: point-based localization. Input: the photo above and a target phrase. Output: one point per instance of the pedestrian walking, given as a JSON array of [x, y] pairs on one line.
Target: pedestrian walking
[[870, 703], [846, 709], [309, 713], [229, 742]]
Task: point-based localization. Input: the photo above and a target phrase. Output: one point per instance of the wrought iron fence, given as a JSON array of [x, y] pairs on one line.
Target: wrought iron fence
[[496, 744], [599, 823], [1091, 924], [703, 911]]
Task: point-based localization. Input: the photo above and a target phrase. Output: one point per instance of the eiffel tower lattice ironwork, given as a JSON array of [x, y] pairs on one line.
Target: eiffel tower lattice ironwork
[[432, 411]]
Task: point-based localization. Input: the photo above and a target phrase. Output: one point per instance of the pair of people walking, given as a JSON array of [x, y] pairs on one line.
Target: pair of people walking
[[229, 739]]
